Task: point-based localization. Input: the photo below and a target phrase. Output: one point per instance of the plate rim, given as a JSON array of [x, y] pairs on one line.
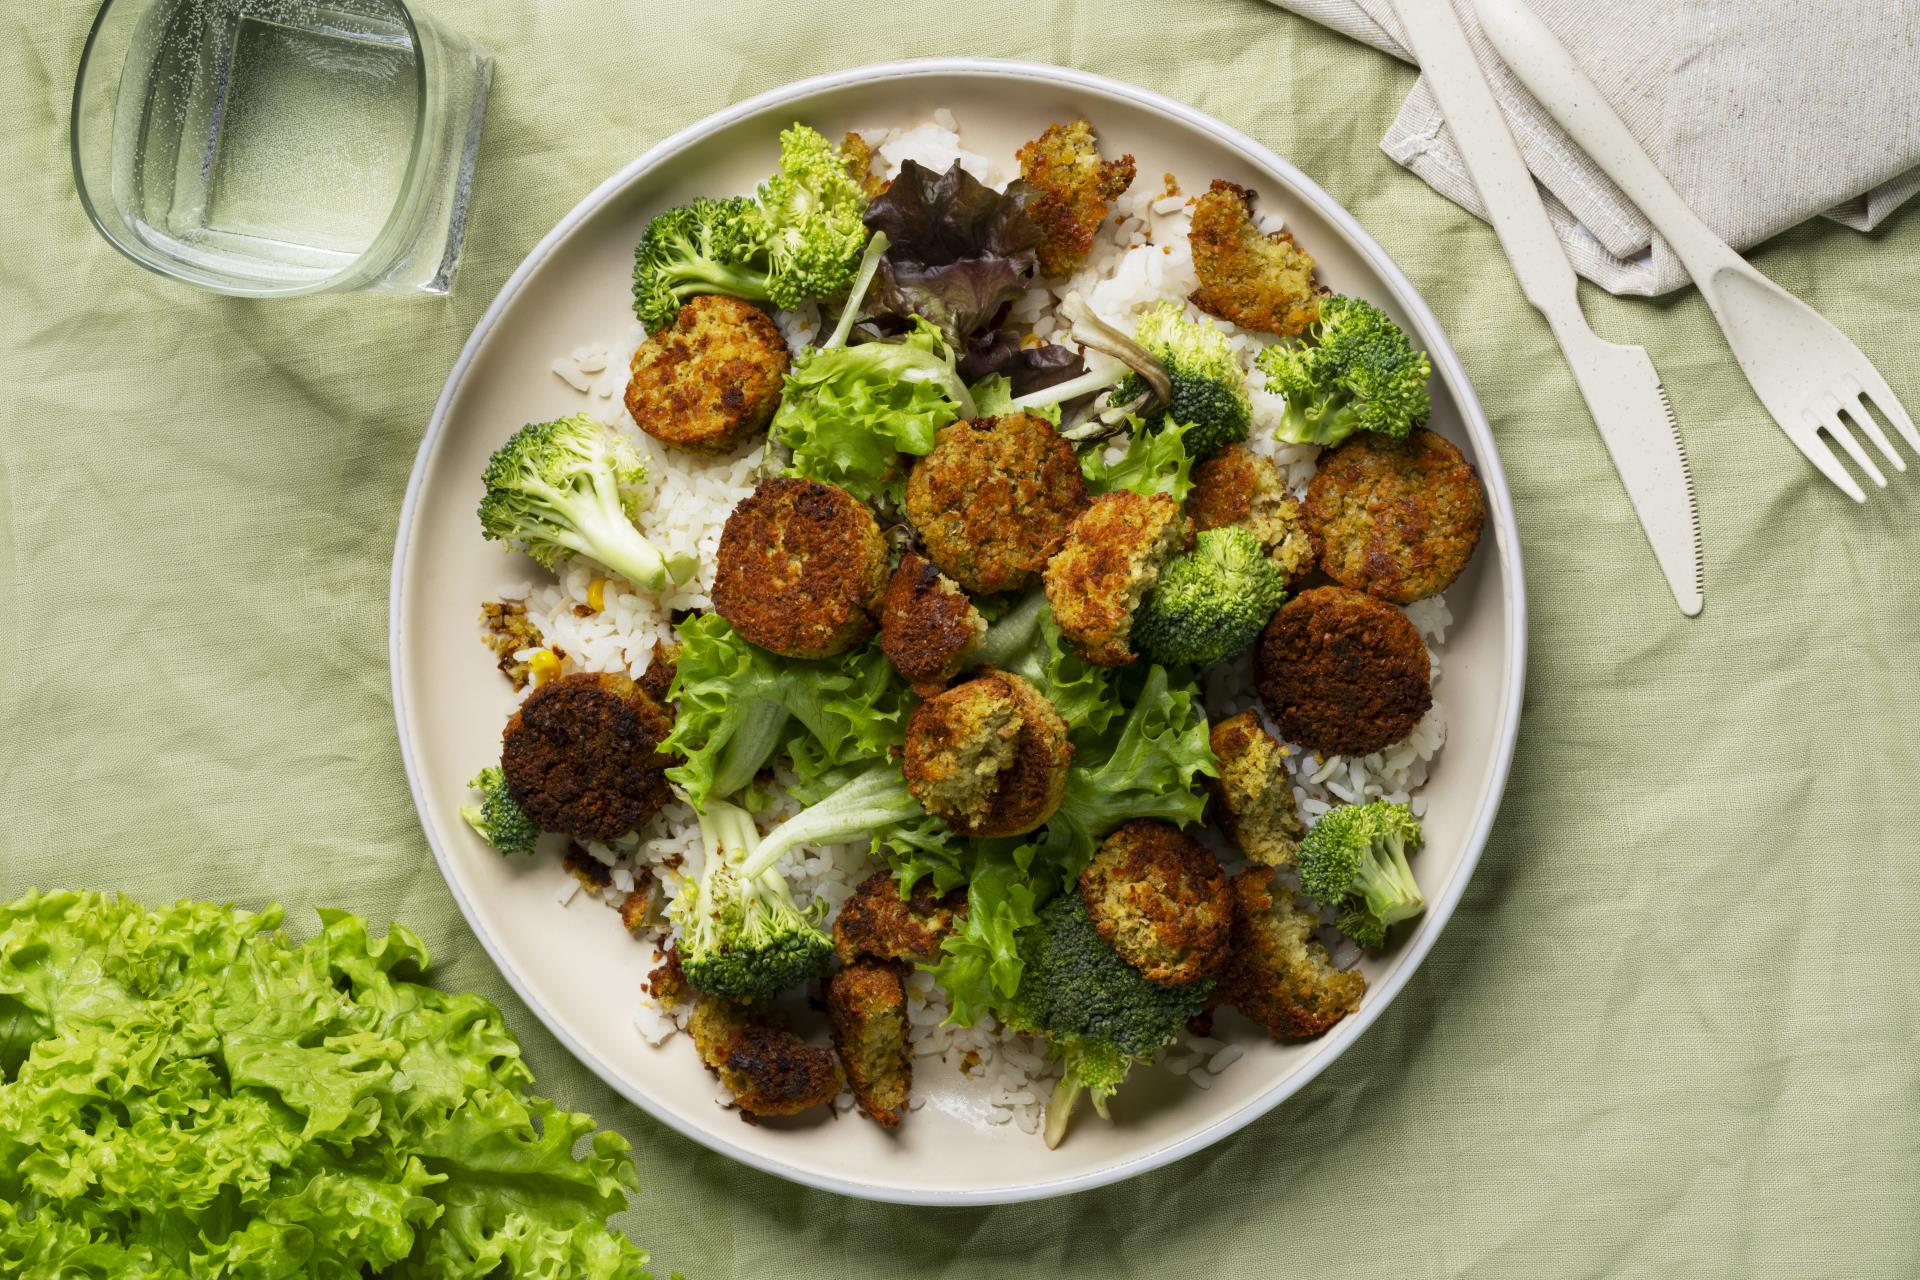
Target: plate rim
[[1492, 476]]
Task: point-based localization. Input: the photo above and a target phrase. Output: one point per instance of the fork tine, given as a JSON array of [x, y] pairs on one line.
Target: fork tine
[[1838, 430], [1889, 405], [1819, 455], [1867, 423]]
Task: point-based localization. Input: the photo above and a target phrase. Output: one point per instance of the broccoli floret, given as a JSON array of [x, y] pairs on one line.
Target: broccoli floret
[[741, 936], [708, 246], [1359, 374], [1355, 858], [1209, 391], [1098, 1014], [498, 817], [1212, 602], [811, 212], [573, 486]]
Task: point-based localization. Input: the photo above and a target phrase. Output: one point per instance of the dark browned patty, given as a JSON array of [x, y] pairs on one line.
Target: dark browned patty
[[1342, 672], [1396, 519], [867, 1009], [1159, 898], [993, 500], [801, 568], [876, 921], [580, 756], [928, 627], [768, 1070], [711, 379]]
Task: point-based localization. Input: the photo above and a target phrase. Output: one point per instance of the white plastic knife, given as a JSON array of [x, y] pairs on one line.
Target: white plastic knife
[[1620, 384]]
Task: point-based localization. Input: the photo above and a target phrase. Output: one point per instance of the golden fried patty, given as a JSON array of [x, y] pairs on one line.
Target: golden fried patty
[[712, 378], [1240, 487], [876, 921], [1254, 281], [1396, 519], [768, 1070], [1277, 973], [988, 757], [1113, 557], [801, 568], [1072, 188], [1342, 672], [1159, 898], [867, 1009], [928, 626], [993, 500], [1253, 796], [580, 756]]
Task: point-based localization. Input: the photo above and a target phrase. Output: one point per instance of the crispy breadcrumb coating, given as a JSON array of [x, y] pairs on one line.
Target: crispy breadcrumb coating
[[1072, 190], [867, 1009], [1253, 796], [876, 921], [768, 1070], [1278, 974], [509, 631], [1254, 281]]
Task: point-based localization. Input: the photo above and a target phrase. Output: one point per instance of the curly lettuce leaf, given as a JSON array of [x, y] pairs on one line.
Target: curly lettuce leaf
[[1155, 462], [188, 1092], [735, 701], [849, 413], [1147, 769]]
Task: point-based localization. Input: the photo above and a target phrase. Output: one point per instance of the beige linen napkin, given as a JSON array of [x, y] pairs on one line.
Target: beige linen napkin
[[1762, 112]]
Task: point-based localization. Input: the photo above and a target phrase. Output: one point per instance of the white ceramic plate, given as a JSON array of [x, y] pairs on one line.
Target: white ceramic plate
[[575, 966]]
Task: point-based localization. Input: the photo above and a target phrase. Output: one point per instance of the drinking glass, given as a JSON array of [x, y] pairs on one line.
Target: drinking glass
[[275, 147]]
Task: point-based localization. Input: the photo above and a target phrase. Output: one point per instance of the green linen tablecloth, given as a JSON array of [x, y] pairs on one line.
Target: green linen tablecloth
[[1671, 1030]]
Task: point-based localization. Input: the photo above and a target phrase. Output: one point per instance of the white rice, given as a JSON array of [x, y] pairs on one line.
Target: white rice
[[992, 1076]]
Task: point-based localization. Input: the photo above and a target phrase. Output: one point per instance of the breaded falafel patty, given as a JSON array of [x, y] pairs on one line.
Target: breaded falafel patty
[[1240, 487], [580, 756], [768, 1070], [801, 568], [1342, 672], [988, 757], [1159, 898], [1256, 281], [993, 500], [928, 626], [1253, 796], [876, 921], [867, 1009], [1277, 973], [1398, 519], [1072, 191], [710, 380], [1112, 557]]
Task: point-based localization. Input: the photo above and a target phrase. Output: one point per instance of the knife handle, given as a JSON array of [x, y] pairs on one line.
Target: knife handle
[[1512, 201], [1549, 72]]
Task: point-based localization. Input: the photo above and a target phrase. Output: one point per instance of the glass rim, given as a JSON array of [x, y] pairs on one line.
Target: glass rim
[[352, 273]]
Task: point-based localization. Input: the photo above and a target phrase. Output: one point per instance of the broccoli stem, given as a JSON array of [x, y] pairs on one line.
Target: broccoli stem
[[862, 280], [1060, 1106], [602, 530], [875, 799], [753, 742]]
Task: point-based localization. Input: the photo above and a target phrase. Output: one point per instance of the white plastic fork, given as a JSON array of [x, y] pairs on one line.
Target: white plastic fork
[[1806, 372]]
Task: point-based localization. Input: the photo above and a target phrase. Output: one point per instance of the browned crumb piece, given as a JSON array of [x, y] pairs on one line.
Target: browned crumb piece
[[1169, 185], [928, 626], [667, 982], [867, 1008], [584, 867], [633, 907], [1160, 900], [1072, 190], [508, 631], [1278, 974], [1254, 281], [876, 921], [658, 677], [1253, 796], [768, 1070], [859, 157]]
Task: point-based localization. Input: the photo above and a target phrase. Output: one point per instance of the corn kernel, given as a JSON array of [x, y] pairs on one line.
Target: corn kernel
[[544, 664], [597, 594]]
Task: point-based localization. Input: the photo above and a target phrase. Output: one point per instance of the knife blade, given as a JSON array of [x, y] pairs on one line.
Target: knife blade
[[1621, 387]]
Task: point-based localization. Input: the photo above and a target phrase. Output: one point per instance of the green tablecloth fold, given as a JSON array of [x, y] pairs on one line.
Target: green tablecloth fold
[[1670, 1032]]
